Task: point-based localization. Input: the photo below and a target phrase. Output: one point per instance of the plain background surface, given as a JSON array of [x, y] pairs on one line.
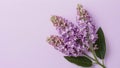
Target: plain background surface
[[25, 24]]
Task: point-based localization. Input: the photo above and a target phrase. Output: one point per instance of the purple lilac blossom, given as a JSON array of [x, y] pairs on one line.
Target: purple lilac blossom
[[85, 24], [71, 35], [73, 38]]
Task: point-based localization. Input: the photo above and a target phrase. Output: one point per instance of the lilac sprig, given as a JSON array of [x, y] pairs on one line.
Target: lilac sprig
[[75, 40]]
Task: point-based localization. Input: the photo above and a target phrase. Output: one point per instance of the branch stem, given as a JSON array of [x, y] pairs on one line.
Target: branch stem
[[96, 60]]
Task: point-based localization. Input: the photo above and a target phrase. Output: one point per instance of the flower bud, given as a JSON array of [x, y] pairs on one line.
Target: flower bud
[[55, 40], [58, 22]]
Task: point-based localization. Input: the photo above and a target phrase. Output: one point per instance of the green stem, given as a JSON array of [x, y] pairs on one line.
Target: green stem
[[89, 57], [93, 52], [103, 62]]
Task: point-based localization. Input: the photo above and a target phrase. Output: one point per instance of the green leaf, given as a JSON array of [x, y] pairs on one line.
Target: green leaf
[[100, 52], [80, 61]]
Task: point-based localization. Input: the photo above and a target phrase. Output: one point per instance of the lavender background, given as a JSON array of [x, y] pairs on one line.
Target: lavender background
[[25, 24]]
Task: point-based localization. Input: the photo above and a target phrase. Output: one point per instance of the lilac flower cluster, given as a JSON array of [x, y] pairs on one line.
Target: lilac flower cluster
[[73, 39], [85, 24]]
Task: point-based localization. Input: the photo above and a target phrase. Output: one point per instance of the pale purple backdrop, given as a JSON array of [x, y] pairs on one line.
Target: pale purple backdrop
[[25, 24]]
